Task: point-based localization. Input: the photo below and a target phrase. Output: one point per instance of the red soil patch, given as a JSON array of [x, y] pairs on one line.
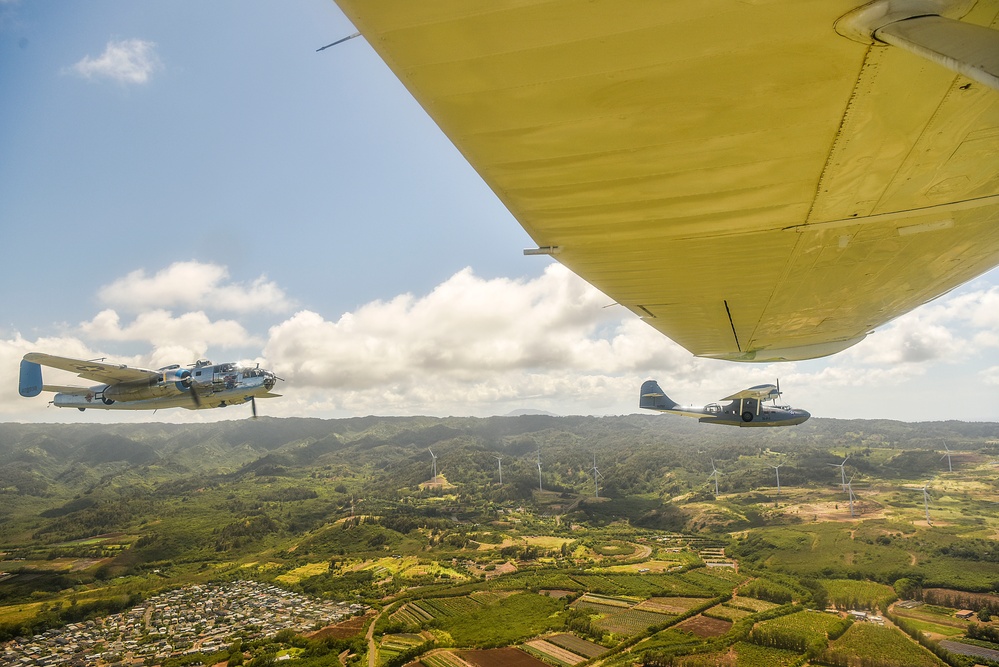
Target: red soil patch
[[702, 626], [352, 627], [501, 657]]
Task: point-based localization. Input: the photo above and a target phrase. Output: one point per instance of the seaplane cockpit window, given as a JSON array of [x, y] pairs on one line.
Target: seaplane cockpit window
[[712, 408]]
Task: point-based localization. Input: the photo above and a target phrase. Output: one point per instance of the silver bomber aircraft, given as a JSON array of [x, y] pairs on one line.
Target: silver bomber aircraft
[[746, 408], [200, 385]]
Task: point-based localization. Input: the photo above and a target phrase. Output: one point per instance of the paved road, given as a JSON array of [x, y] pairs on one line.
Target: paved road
[[370, 636]]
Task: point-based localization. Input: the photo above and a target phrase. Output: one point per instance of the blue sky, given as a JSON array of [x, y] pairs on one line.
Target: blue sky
[[189, 179]]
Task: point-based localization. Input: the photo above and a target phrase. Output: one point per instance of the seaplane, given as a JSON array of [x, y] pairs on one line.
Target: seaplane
[[196, 386], [746, 408]]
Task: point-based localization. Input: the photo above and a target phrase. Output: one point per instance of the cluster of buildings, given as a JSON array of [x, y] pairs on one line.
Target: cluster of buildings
[[195, 619]]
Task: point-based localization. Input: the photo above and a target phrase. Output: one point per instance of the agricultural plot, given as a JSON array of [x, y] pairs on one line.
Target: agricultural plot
[[670, 605], [411, 614], [607, 600], [669, 638], [393, 645], [511, 620], [501, 657], [442, 659], [879, 645], [797, 631], [577, 645], [401, 642], [489, 597], [632, 621], [728, 612], [550, 652], [751, 604], [854, 594], [448, 607], [704, 626], [933, 619], [601, 604], [751, 655]]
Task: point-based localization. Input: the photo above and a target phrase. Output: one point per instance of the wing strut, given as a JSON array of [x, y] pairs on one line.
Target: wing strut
[[930, 30]]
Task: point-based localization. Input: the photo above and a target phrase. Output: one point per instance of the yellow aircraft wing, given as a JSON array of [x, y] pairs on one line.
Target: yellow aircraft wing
[[752, 183]]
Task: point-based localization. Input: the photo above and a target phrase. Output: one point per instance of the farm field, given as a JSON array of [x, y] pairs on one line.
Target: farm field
[[501, 657], [577, 645], [798, 630], [553, 653], [885, 646], [751, 655], [704, 626]]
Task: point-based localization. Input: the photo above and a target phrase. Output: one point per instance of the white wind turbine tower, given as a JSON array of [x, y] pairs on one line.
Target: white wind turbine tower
[[596, 474], [499, 461], [714, 473], [842, 471], [849, 487], [926, 504], [539, 471], [434, 457], [949, 467], [777, 470]]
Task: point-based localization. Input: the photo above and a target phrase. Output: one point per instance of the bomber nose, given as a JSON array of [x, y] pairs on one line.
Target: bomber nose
[[804, 415]]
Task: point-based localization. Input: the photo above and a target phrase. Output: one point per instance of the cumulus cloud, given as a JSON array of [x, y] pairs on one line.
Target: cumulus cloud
[[189, 331], [474, 346], [476, 342], [194, 285], [129, 61]]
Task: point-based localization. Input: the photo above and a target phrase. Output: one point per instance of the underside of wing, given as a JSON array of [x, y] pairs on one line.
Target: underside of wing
[[753, 184], [98, 371], [73, 391]]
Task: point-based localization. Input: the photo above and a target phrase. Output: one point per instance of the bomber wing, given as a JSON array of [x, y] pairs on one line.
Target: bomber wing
[[761, 392], [97, 371], [753, 184]]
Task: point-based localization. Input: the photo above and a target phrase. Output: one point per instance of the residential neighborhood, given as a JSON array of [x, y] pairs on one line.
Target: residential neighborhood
[[194, 619]]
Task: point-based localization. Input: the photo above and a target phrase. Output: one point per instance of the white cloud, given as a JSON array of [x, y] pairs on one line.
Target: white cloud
[[473, 345], [126, 61], [190, 332], [478, 347], [193, 285]]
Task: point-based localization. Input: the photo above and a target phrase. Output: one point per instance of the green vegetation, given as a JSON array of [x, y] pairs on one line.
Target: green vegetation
[[95, 518], [878, 645]]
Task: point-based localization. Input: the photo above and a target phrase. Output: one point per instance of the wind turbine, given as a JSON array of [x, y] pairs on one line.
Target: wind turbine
[[499, 460], [714, 473], [777, 470], [596, 474], [849, 486], [539, 471], [949, 467], [842, 470], [434, 457], [926, 504]]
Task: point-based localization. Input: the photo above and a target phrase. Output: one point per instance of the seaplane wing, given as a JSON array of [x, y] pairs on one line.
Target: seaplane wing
[[97, 371], [757, 180], [761, 392]]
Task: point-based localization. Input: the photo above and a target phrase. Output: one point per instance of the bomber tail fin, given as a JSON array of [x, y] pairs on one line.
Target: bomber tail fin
[[652, 397], [30, 383]]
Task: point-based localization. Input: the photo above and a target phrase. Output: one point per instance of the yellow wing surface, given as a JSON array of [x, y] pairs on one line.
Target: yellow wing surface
[[747, 180]]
